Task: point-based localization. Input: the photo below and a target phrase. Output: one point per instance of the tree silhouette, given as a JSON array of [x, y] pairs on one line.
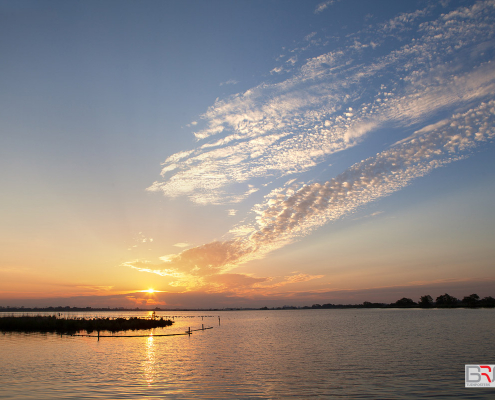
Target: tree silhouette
[[405, 302], [471, 301], [446, 300], [488, 302], [425, 301]]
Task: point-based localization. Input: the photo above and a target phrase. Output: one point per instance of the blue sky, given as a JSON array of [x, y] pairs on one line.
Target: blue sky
[[245, 153]]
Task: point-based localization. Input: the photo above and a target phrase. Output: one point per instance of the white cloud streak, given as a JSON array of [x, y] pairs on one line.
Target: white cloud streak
[[334, 101], [323, 6], [229, 82]]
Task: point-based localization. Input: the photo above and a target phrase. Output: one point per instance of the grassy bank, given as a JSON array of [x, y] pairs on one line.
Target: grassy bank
[[73, 325]]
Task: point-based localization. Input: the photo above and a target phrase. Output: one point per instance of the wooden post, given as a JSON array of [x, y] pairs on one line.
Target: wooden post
[[202, 327], [218, 321]]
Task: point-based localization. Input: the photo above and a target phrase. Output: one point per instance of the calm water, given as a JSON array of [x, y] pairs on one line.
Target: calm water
[[375, 354]]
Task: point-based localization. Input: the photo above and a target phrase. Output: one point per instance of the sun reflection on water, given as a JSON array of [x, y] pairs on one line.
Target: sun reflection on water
[[149, 364]]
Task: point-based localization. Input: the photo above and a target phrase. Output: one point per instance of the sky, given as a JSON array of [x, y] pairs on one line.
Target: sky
[[245, 154]]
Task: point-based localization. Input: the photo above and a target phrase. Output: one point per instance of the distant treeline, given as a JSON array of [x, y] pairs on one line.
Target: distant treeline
[[426, 301]]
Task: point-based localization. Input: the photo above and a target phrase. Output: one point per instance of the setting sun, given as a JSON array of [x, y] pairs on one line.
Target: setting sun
[[150, 291]]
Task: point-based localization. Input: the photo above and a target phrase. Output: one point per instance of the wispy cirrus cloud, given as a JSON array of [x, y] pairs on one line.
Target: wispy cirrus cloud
[[323, 6], [255, 141], [333, 101], [229, 82], [95, 288]]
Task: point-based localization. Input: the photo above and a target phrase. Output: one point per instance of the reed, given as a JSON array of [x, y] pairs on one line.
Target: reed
[[73, 325]]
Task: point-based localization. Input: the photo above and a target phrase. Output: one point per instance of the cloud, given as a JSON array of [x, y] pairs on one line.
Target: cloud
[[233, 284], [336, 101], [206, 269], [292, 60], [322, 6], [358, 130], [403, 21], [277, 70], [287, 280], [268, 137], [189, 265], [295, 211], [311, 35], [242, 230], [229, 82], [95, 288], [376, 213], [181, 244], [200, 269], [140, 239], [372, 215], [138, 301]]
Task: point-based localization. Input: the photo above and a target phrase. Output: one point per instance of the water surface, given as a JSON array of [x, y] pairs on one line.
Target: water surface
[[351, 353]]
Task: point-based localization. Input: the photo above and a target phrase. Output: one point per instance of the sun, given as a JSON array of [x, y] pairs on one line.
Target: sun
[[150, 291]]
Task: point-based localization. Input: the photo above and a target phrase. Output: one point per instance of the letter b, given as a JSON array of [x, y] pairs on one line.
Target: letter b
[[469, 374]]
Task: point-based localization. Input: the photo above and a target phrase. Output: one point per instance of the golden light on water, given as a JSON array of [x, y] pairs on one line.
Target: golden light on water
[[149, 363]]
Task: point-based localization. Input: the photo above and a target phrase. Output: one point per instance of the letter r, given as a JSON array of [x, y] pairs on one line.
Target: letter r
[[484, 373]]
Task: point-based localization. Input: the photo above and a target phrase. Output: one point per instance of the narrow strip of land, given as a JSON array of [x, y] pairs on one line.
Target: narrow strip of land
[[74, 325]]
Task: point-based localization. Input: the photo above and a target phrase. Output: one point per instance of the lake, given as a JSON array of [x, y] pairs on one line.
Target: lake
[[274, 354]]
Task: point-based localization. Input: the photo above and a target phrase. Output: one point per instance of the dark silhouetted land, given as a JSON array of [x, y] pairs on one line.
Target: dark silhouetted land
[[73, 325]]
